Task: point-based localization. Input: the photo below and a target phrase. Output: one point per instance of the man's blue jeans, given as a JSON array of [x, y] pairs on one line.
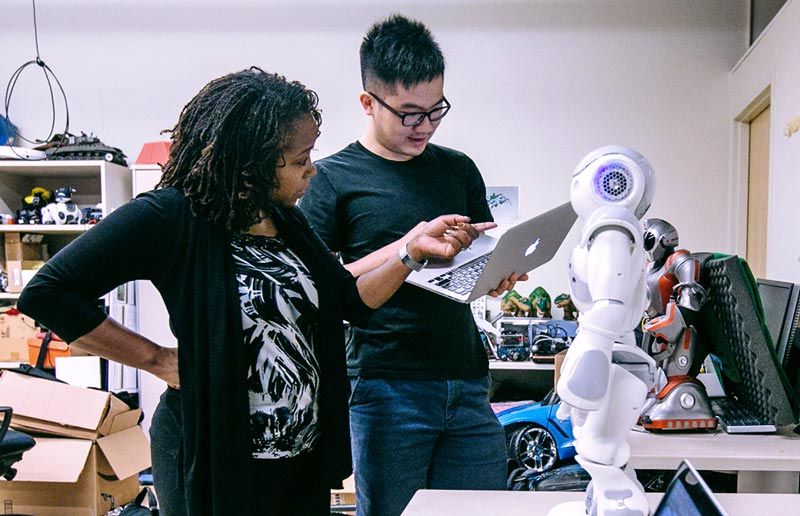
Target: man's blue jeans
[[416, 434]]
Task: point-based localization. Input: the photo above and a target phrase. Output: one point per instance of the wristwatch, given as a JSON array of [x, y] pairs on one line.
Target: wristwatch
[[409, 262]]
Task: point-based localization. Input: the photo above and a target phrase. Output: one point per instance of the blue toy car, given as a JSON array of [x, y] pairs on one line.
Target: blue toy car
[[536, 439]]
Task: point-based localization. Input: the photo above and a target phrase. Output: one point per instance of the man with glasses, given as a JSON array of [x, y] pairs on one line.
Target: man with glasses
[[419, 410]]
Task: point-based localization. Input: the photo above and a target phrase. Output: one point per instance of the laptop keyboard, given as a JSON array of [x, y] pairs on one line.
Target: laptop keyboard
[[735, 418], [462, 280]]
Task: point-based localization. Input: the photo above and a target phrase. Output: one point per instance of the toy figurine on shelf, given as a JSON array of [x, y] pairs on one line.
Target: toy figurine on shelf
[[540, 303], [564, 302], [32, 204], [92, 215], [515, 305], [63, 210], [676, 297]]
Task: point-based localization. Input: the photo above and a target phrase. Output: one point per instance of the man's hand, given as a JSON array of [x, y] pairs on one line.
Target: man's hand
[[166, 367], [507, 284], [444, 237], [448, 235], [415, 231]]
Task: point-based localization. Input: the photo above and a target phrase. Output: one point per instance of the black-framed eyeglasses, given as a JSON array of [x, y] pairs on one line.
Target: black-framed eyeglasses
[[416, 118]]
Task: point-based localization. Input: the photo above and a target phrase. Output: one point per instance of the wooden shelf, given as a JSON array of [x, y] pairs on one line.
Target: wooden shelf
[[46, 168]]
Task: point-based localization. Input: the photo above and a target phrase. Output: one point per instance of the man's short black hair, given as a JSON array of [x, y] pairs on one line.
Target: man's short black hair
[[399, 50]]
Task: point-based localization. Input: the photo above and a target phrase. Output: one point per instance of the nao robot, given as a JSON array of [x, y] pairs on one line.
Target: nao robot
[[606, 377], [676, 297]]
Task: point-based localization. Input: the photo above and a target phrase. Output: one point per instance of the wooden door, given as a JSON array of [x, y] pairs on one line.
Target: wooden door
[[758, 193]]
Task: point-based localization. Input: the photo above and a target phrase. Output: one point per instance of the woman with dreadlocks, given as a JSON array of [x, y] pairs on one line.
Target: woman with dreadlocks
[[255, 419]]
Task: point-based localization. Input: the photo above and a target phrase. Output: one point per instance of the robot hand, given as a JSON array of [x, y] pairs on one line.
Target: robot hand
[[574, 414], [669, 326]]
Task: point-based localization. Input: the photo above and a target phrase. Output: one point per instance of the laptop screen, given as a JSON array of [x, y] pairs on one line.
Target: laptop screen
[[688, 495]]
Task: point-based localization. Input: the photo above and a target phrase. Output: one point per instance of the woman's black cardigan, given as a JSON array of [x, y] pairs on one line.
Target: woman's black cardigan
[[156, 237]]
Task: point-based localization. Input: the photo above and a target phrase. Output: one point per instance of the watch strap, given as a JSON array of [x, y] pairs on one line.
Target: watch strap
[[408, 261]]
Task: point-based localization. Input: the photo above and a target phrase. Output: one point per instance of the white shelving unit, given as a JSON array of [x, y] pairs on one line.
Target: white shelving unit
[[536, 377], [96, 183]]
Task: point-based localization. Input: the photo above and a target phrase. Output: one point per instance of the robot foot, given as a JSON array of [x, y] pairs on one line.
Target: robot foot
[[613, 491], [681, 405]]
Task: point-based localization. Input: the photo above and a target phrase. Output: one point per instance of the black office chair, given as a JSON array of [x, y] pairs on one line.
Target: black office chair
[[12, 445]]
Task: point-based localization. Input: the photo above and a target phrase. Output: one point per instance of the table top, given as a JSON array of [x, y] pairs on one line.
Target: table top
[[526, 503], [717, 450]]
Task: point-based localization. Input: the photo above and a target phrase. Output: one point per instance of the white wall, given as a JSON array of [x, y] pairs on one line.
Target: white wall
[[535, 84], [774, 61]]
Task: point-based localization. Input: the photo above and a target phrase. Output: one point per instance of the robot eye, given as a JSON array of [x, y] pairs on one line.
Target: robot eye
[[613, 182], [649, 241]]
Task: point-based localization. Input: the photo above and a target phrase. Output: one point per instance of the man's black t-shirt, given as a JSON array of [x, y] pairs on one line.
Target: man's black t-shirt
[[358, 203]]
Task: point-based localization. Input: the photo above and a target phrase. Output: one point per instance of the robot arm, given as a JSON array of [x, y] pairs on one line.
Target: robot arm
[[688, 296], [666, 328]]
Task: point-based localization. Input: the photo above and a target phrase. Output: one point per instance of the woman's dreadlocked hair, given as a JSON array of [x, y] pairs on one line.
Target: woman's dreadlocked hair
[[228, 142]]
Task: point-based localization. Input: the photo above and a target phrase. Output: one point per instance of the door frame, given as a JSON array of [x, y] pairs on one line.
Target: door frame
[[738, 190]]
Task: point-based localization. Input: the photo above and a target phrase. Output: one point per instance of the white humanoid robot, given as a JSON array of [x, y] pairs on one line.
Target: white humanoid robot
[[606, 377]]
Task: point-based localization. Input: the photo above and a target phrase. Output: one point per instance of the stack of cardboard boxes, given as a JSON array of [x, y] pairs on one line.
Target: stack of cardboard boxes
[[344, 500], [89, 449], [15, 330], [24, 256]]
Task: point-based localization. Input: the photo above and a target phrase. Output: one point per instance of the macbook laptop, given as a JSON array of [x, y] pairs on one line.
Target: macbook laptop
[[476, 271], [688, 495]]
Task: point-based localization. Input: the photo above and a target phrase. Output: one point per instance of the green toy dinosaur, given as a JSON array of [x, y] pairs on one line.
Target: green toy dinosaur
[[564, 302], [540, 303], [515, 305]]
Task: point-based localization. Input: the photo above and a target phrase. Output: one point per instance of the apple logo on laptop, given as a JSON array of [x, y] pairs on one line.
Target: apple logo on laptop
[[532, 248]]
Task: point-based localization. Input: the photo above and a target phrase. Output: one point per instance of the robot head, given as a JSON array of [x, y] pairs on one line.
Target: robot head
[[612, 175], [660, 238], [64, 194]]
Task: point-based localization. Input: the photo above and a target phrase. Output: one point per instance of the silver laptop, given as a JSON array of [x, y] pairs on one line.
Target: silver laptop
[[688, 495], [475, 272]]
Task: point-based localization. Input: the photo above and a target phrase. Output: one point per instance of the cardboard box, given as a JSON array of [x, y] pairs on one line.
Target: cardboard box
[[13, 349], [346, 495], [66, 477], [27, 248], [29, 269], [17, 326], [14, 272], [43, 406], [20, 251], [14, 333]]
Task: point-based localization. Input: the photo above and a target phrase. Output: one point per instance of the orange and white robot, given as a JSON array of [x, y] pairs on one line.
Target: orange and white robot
[[676, 297]]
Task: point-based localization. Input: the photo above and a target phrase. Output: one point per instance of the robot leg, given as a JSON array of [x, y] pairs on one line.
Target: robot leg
[[603, 451], [682, 404]]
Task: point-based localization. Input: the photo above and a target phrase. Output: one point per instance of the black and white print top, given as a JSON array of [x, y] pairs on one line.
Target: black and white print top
[[279, 318]]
